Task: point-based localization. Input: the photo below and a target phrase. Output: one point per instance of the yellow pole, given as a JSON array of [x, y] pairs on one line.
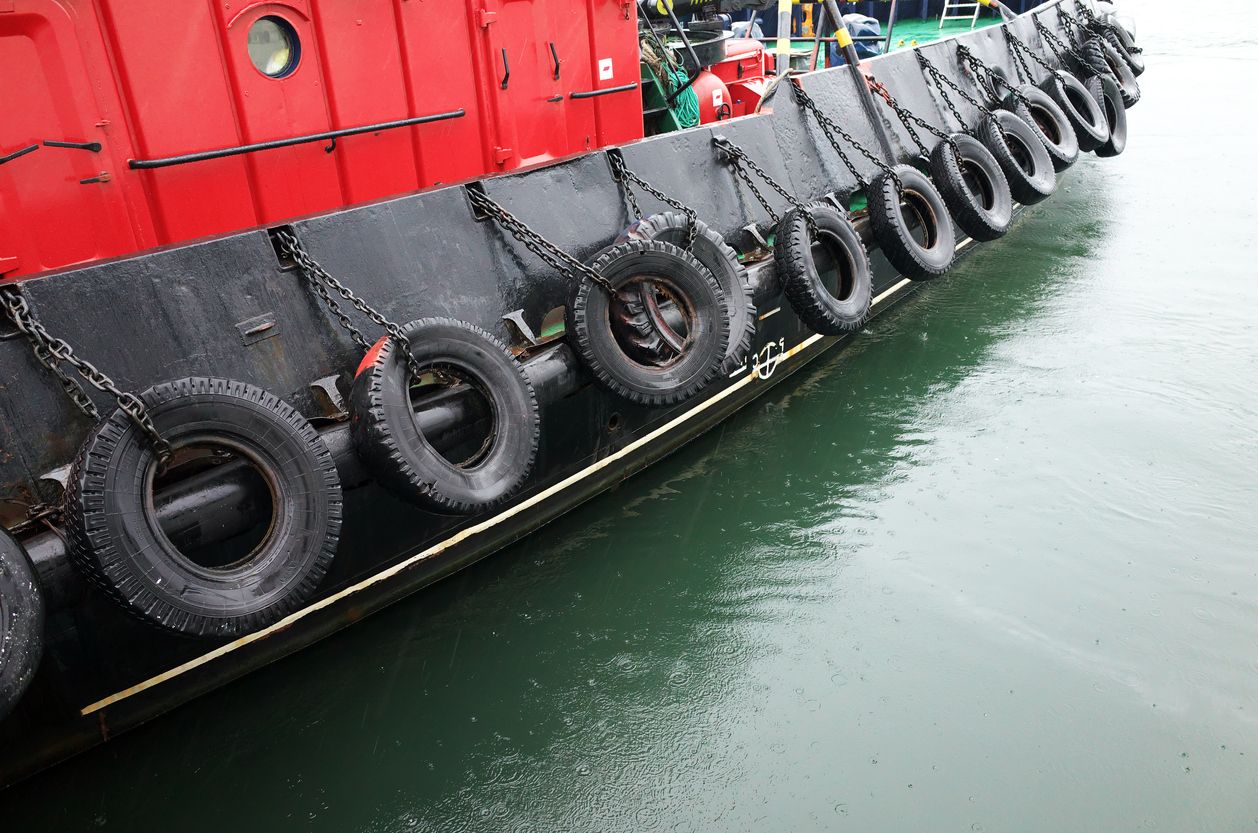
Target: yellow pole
[[784, 37]]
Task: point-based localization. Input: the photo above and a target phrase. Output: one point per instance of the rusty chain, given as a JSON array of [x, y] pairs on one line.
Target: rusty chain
[[908, 118], [321, 281], [624, 176], [53, 352]]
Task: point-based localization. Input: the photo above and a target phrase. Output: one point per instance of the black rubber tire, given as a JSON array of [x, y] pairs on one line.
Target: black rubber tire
[[1126, 46], [1110, 99], [1049, 123], [1021, 155], [721, 260], [977, 196], [589, 322], [394, 449], [1080, 108], [1104, 59], [894, 234], [21, 623], [827, 311], [114, 534]]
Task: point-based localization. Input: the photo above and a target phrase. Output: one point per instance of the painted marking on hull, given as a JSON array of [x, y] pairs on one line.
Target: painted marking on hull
[[476, 529]]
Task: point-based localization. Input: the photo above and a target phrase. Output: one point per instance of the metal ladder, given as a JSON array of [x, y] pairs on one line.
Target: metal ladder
[[952, 5]]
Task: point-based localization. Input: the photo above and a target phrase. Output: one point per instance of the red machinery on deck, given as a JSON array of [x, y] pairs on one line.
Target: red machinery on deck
[[129, 124]]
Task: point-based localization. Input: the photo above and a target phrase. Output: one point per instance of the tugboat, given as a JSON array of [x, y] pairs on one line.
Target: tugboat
[[309, 304]]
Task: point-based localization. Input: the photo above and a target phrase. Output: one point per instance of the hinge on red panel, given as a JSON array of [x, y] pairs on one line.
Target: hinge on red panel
[[501, 155], [485, 17], [7, 264]]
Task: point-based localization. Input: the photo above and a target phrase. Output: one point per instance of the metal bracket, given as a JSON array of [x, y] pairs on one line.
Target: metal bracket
[[328, 395], [256, 329], [516, 320]]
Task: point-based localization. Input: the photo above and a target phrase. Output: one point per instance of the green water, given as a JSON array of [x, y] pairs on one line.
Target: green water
[[991, 569]]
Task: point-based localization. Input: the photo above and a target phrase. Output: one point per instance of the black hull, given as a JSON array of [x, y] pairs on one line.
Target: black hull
[[175, 312]]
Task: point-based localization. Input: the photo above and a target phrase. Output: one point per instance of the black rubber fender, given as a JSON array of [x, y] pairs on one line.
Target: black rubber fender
[[1021, 155], [920, 260], [632, 360], [825, 278], [1080, 108], [974, 188], [21, 623], [1126, 46], [1104, 59], [394, 449], [1105, 90], [117, 542], [1038, 109], [711, 250]]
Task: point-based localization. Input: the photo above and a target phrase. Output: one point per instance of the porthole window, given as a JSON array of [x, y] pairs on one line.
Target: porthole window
[[273, 47]]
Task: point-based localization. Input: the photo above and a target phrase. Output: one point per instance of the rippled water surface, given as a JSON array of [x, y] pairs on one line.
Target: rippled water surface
[[991, 569]]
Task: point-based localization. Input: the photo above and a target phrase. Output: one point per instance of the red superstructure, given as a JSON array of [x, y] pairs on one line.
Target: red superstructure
[[135, 83]]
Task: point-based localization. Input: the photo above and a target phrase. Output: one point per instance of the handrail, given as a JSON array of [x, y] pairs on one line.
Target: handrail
[[201, 156]]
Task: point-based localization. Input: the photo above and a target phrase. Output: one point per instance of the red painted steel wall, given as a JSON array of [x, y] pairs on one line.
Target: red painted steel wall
[[156, 78]]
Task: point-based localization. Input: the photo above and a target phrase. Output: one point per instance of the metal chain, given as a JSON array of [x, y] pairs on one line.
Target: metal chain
[[829, 127], [321, 281], [908, 118], [738, 158], [1102, 26], [551, 254], [1020, 48], [52, 352], [624, 176], [987, 78], [1075, 28], [1025, 76], [940, 80], [1059, 48]]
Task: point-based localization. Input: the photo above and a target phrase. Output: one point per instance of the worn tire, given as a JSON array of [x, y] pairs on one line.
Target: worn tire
[[1021, 155], [114, 534], [977, 194], [21, 623], [1081, 109], [397, 453], [826, 310], [1049, 123], [1104, 59], [1110, 100], [1126, 46], [894, 233], [656, 384], [721, 260]]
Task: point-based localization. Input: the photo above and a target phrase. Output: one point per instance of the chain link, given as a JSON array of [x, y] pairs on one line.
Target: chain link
[[1055, 43], [53, 352], [987, 77], [942, 79], [738, 158], [1021, 49], [321, 281], [829, 127], [552, 255], [624, 176], [908, 118]]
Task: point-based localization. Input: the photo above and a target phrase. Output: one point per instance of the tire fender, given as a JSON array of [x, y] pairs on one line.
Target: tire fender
[[1022, 156], [978, 194], [830, 301], [892, 215], [21, 623]]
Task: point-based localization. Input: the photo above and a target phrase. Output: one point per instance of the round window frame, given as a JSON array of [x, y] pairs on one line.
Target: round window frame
[[286, 26]]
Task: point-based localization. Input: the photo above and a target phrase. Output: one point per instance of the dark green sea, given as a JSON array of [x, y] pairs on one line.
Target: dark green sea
[[992, 568]]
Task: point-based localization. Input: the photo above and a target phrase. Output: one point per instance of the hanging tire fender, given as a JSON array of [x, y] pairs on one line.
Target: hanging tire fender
[[1049, 122], [975, 190], [389, 439], [1103, 59], [826, 278], [117, 542], [21, 623], [893, 228], [1080, 107], [628, 337], [1021, 155], [711, 250], [1126, 46], [1105, 90]]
